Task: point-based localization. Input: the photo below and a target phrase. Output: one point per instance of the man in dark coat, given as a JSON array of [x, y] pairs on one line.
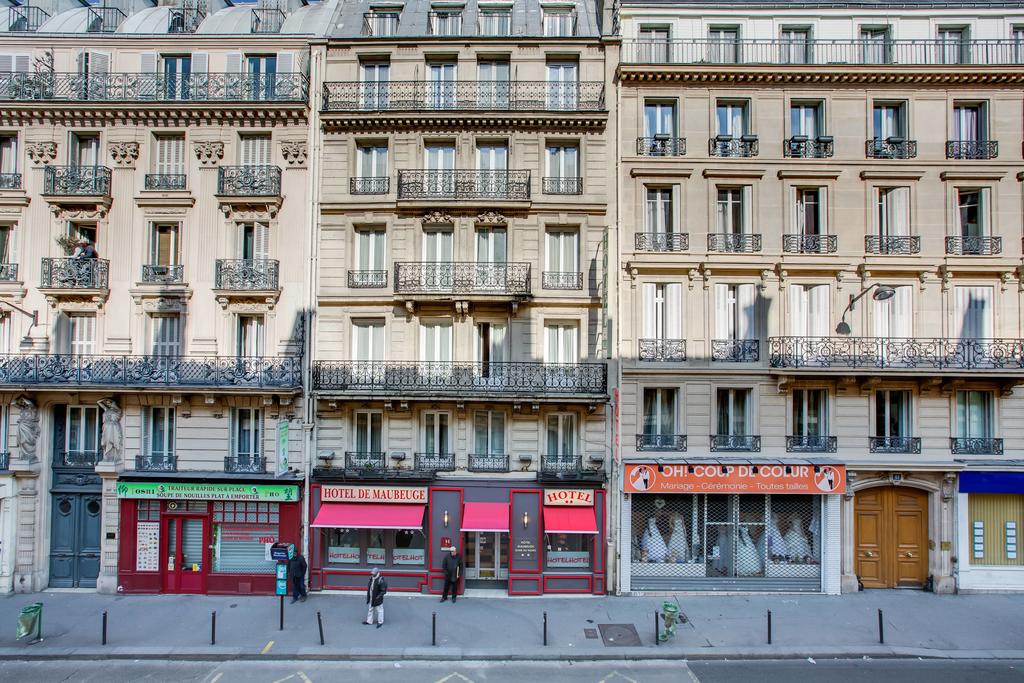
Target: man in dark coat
[[297, 574], [375, 593], [452, 566]]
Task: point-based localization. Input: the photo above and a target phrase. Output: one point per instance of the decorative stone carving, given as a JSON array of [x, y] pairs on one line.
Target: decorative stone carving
[[80, 213], [491, 218], [250, 212], [437, 217], [124, 154], [294, 152], [112, 437], [28, 428], [209, 153], [41, 153]]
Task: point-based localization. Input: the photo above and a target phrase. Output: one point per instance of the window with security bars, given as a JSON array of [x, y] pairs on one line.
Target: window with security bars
[[684, 539], [148, 510], [259, 513]]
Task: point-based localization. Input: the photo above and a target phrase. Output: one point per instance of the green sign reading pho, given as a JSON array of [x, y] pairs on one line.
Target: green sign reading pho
[[164, 490]]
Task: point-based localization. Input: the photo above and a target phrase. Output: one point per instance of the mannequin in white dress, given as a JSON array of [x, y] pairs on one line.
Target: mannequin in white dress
[[678, 545], [776, 543], [653, 542], [748, 559], [796, 539]]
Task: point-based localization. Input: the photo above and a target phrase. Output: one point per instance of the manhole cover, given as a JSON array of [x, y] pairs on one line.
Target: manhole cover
[[619, 635], [590, 633]]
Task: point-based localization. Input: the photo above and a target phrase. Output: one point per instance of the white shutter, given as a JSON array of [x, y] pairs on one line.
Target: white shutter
[[261, 241], [818, 313], [676, 211], [200, 62], [748, 210], [797, 313], [650, 321], [897, 212], [723, 323], [674, 311], [23, 63], [823, 226], [499, 343], [974, 312], [796, 225], [6, 63], [746, 300], [233, 63], [99, 63], [147, 63], [285, 62]]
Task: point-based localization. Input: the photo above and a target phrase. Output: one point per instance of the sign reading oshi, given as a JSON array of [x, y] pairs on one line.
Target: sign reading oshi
[[374, 494], [821, 479]]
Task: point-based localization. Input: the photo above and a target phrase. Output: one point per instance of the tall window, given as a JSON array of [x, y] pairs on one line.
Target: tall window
[[489, 432], [373, 161], [809, 310], [494, 84], [893, 212], [440, 161], [732, 119], [491, 344], [436, 435], [563, 161], [724, 44], [660, 213], [659, 119], [889, 120], [894, 318], [810, 412], [436, 341], [734, 418], [253, 241], [561, 434], [562, 251], [169, 160], [808, 213], [491, 247], [370, 249], [164, 244], [254, 149], [731, 210], [82, 334], [368, 340], [165, 335], [441, 84], [445, 21], [952, 46], [876, 42], [562, 343], [260, 71], [660, 412], [177, 71], [893, 413], [806, 119], [84, 150], [559, 22], [971, 207], [246, 430], [8, 254], [972, 312], [969, 122], [735, 312], [250, 336], [374, 78], [82, 433], [158, 429], [663, 313], [8, 159], [368, 431], [974, 414], [562, 84], [795, 46]]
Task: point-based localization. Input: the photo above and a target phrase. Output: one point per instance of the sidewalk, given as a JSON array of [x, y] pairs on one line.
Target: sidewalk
[[718, 627]]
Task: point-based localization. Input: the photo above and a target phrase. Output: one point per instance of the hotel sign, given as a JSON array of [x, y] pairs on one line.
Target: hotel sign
[[374, 494], [569, 497], [717, 478]]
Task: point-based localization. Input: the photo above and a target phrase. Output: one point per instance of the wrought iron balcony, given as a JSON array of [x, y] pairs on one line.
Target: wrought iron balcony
[[973, 149], [488, 462], [974, 245], [747, 443], [8, 272], [196, 87], [661, 442], [283, 372], [661, 146], [728, 146], [811, 443], [802, 147], [458, 378], [381, 185], [245, 275], [663, 350], [355, 96], [434, 462], [562, 185], [504, 279], [367, 279], [156, 462], [166, 182], [153, 274], [184, 19], [370, 461], [10, 181], [76, 181], [452, 184], [890, 148], [249, 181], [908, 353], [894, 444], [736, 350], [559, 280], [561, 464], [62, 458], [810, 244], [380, 23], [5, 461], [104, 19], [247, 463], [892, 245], [74, 273], [734, 242], [975, 446], [662, 241], [266, 20], [26, 18]]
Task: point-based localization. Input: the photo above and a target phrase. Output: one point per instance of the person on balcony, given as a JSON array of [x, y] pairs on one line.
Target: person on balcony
[[85, 250]]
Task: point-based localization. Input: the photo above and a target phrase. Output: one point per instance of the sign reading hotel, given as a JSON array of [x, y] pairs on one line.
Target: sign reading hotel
[[569, 497], [173, 490], [708, 478], [374, 494]]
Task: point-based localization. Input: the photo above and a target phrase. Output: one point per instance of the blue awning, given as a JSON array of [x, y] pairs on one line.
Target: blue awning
[[992, 482]]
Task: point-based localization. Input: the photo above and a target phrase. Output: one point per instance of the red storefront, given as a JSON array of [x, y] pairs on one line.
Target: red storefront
[[204, 537]]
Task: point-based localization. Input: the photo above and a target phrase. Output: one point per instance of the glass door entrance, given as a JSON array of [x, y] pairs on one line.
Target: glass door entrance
[[486, 556]]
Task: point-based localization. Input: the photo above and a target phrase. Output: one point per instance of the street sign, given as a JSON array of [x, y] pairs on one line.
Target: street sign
[[281, 585]]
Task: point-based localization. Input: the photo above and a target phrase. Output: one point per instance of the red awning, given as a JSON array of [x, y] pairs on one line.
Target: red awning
[[370, 516], [569, 520], [485, 517]]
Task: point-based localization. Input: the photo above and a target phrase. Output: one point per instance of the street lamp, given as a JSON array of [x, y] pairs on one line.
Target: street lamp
[[881, 293]]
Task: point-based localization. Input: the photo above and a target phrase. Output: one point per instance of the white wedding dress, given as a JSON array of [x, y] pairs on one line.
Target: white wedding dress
[[776, 543], [653, 543], [678, 545], [748, 559], [796, 539]]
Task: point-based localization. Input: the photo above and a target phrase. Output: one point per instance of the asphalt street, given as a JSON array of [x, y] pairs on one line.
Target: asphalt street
[[747, 671]]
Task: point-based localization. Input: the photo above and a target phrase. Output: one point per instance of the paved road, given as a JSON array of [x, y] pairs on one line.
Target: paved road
[[750, 671]]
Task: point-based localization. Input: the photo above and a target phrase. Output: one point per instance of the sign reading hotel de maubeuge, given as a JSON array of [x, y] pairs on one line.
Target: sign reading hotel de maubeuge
[[374, 494], [164, 490]]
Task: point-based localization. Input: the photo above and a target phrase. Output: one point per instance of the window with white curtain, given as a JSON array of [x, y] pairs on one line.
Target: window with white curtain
[[489, 432], [795, 44], [808, 313], [662, 310], [654, 43], [368, 340], [373, 161], [732, 118], [492, 342], [491, 245], [972, 212], [972, 312], [561, 434], [724, 44], [736, 312], [250, 336], [370, 246], [969, 122], [562, 251], [8, 154], [893, 318], [562, 343], [374, 77], [368, 431], [436, 341], [734, 412], [952, 45], [158, 431], [807, 119], [8, 253], [877, 44], [889, 120], [660, 411], [975, 414], [892, 215], [246, 430], [436, 435], [660, 213], [810, 412], [659, 118], [809, 211], [563, 161], [893, 410], [559, 22], [732, 210]]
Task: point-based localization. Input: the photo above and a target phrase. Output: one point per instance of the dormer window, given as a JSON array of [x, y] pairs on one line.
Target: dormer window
[[382, 20], [559, 21]]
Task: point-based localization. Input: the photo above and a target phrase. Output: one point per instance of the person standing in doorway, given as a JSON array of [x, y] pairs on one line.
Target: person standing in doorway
[[297, 574], [375, 598], [452, 566]]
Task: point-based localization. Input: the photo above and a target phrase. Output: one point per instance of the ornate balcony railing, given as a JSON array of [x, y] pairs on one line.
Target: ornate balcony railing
[[663, 350], [62, 458], [894, 444], [441, 377], [559, 280], [561, 464], [727, 146], [810, 244], [153, 87], [166, 181], [163, 275], [488, 462], [974, 245], [434, 462], [507, 279], [74, 273], [10, 181], [736, 350], [661, 146], [892, 245], [284, 372], [104, 19], [550, 185], [5, 461], [374, 461], [662, 241], [890, 148], [974, 149], [245, 275], [734, 243], [266, 20], [76, 181], [801, 147], [585, 96], [367, 279], [380, 185], [748, 443], [823, 52], [184, 19], [249, 181], [26, 18], [8, 272], [156, 462], [910, 353], [661, 442], [245, 464], [975, 446], [811, 443], [452, 184]]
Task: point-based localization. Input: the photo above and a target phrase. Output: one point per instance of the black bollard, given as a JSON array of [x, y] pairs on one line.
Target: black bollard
[[280, 626], [104, 627], [320, 623], [545, 629], [433, 629], [769, 627], [881, 628], [213, 628], [657, 627]]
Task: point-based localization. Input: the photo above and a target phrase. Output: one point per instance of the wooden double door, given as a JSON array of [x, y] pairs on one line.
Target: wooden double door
[[891, 528]]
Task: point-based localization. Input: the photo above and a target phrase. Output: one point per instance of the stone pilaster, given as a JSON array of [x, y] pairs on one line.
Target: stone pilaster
[[110, 528]]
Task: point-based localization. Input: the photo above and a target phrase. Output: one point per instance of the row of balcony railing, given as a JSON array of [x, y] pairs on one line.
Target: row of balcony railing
[[245, 463], [69, 273], [820, 147], [465, 184], [94, 181], [499, 95], [814, 443], [882, 245], [377, 462], [22, 86]]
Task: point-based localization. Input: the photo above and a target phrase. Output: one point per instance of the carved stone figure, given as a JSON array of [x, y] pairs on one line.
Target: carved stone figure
[[112, 437], [28, 428]]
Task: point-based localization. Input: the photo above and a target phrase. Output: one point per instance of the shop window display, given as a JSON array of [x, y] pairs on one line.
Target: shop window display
[[567, 551], [346, 547]]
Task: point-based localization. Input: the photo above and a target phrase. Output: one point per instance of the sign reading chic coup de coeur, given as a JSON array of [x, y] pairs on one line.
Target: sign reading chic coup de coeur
[[716, 478], [374, 494]]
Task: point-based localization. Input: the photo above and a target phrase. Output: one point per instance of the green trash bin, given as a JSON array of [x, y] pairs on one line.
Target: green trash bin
[[670, 617], [30, 621]]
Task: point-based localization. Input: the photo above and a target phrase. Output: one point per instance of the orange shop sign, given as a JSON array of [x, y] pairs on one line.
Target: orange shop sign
[[708, 478], [569, 497], [374, 494]]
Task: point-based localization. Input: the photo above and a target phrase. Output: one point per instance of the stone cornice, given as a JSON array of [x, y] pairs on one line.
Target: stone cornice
[[541, 121], [147, 114], [960, 74]]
